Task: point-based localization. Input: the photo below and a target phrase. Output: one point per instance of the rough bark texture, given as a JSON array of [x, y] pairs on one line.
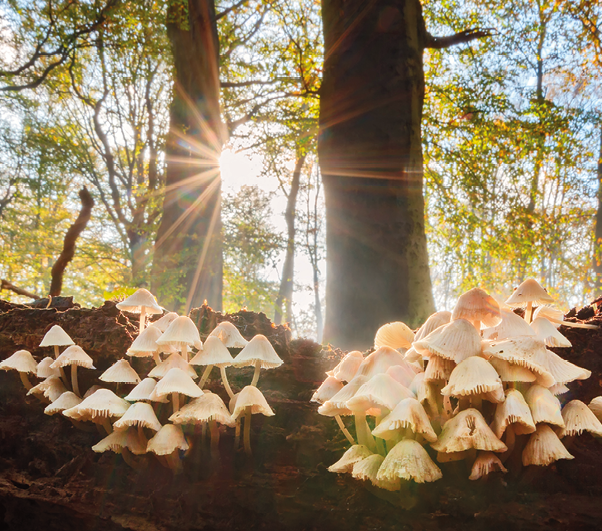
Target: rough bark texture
[[187, 266], [371, 161]]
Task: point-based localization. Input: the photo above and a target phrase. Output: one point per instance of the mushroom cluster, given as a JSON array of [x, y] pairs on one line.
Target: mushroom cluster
[[129, 415], [476, 384]]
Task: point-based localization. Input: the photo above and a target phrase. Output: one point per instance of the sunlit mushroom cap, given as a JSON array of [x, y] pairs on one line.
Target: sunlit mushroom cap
[[455, 341], [404, 374], [176, 381], [380, 392], [73, 355], [564, 371], [346, 370], [21, 361], [66, 401], [330, 387], [251, 396], [98, 406], [163, 323], [466, 430], [514, 410], [529, 291], [259, 349], [214, 353], [545, 407], [544, 447], [485, 463], [44, 369], [477, 305], [120, 439], [205, 408], [56, 336], [511, 325], [337, 405], [145, 343], [395, 335], [438, 368], [409, 460], [475, 376], [367, 470], [432, 323], [175, 361], [142, 298], [579, 418], [167, 440], [558, 389], [412, 355], [409, 413], [511, 373], [554, 315], [420, 388], [354, 454], [51, 388], [546, 332], [143, 391], [229, 335], [181, 330], [596, 406], [120, 372], [379, 361]]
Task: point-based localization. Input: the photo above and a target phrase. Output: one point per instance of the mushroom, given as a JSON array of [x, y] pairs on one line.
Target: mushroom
[[346, 370], [44, 369], [99, 407], [142, 302], [579, 418], [145, 345], [544, 447], [140, 415], [229, 335], [455, 341], [432, 323], [168, 441], [545, 407], [23, 362], [258, 353], [175, 361], [163, 323], [367, 469], [122, 442], [66, 401], [330, 387], [409, 460], [120, 372], [529, 292], [56, 337], [409, 414], [379, 361], [485, 463], [181, 334], [477, 306], [511, 325], [51, 388], [396, 335], [214, 353], [143, 392], [546, 332], [250, 401], [351, 456], [73, 356], [175, 383]]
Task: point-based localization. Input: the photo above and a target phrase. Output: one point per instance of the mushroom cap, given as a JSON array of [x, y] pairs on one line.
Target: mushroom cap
[[251, 397], [21, 361], [120, 372], [367, 469], [56, 336], [337, 405], [409, 460], [432, 323], [379, 361], [139, 414], [141, 298], [380, 392], [513, 410], [550, 313], [485, 463], [330, 387], [558, 389], [529, 291], [181, 330], [229, 335], [419, 387], [467, 430], [438, 368], [175, 361], [73, 355], [167, 440], [214, 353], [52, 388], [477, 305], [412, 355], [120, 439], [66, 401], [404, 374], [44, 369], [511, 373], [564, 371], [579, 418], [99, 405], [475, 376], [544, 447], [347, 368], [145, 343], [176, 381], [511, 325], [409, 413], [143, 391], [395, 335], [596, 406], [546, 332], [351, 456], [455, 341], [163, 323], [259, 349], [205, 408], [545, 407]]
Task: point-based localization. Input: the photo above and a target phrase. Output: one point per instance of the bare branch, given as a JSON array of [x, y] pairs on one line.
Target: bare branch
[[233, 7], [462, 37], [5, 284]]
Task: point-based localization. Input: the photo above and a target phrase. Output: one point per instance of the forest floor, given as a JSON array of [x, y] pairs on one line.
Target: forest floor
[[51, 479]]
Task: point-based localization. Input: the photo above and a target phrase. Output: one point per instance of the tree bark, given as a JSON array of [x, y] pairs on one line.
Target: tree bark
[[285, 293], [187, 267], [371, 161], [597, 262]]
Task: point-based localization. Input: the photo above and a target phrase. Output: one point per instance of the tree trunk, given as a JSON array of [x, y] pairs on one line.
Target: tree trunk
[[187, 266], [371, 161], [597, 262], [285, 293]]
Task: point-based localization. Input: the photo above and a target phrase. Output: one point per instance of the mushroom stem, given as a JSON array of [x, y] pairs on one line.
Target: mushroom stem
[[84, 427], [247, 433], [205, 376], [510, 441], [237, 435], [142, 320], [380, 446], [56, 351], [529, 312], [157, 357], [364, 435], [256, 373], [64, 378], [184, 351], [214, 437], [106, 424], [25, 380], [222, 371], [74, 383], [175, 400], [141, 435], [477, 325], [344, 429], [130, 459]]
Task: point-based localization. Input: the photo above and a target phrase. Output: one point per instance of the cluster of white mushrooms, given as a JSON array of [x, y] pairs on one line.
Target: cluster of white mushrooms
[[466, 384], [131, 424]]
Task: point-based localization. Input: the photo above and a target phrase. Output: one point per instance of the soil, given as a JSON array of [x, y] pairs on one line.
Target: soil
[[51, 479]]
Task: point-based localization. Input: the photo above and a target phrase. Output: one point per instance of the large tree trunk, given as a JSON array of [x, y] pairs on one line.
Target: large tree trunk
[[187, 265], [597, 261], [371, 161]]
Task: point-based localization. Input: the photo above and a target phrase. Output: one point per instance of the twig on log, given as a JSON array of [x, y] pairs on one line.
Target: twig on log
[[56, 285], [5, 284]]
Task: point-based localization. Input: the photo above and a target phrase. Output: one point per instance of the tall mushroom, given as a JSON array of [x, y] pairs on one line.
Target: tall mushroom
[[259, 353], [75, 357], [142, 302], [250, 401], [214, 353]]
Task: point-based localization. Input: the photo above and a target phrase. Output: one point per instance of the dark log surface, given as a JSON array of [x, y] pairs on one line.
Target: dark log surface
[[51, 479]]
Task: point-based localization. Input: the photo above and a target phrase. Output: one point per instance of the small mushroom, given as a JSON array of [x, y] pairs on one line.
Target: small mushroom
[[250, 401], [23, 362], [75, 357], [259, 353], [142, 302]]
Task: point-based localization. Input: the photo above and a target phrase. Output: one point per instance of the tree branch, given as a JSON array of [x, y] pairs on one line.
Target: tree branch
[[462, 37], [5, 284]]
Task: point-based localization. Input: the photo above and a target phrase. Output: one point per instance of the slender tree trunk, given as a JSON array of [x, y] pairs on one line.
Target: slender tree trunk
[[187, 266], [597, 262], [371, 161], [285, 293]]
